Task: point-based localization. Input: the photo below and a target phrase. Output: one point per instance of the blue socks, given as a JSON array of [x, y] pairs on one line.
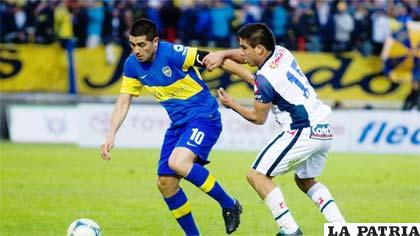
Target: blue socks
[[180, 207], [181, 210], [200, 177]]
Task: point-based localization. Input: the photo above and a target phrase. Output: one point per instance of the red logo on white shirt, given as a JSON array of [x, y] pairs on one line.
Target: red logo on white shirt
[[319, 202], [282, 205], [277, 58]]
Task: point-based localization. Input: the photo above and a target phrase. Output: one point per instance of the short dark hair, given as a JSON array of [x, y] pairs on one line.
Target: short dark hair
[[145, 27], [258, 33]]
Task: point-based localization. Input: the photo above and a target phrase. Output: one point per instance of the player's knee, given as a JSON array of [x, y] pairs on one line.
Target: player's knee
[[252, 176], [175, 163], [304, 184], [166, 184], [180, 163], [162, 183]]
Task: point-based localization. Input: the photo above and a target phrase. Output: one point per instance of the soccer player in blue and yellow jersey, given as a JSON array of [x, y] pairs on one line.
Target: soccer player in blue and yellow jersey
[[167, 71]]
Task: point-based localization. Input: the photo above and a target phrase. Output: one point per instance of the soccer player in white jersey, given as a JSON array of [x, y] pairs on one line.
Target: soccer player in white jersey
[[280, 86]]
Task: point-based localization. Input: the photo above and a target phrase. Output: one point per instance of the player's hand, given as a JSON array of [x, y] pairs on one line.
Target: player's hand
[[106, 148], [225, 98], [213, 60]]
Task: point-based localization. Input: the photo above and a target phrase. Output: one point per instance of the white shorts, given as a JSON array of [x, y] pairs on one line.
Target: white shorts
[[303, 150]]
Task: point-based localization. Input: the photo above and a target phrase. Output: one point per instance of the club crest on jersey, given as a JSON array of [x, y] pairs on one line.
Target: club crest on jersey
[[321, 131], [167, 71]]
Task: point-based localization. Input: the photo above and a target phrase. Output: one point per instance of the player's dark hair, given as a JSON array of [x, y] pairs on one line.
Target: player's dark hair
[[258, 33], [145, 27]]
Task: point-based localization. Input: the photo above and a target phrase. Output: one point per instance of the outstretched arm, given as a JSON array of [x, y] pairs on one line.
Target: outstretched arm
[[228, 65], [258, 115], [118, 115], [215, 59], [236, 69]]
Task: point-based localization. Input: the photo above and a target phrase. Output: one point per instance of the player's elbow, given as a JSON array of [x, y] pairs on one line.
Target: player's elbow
[[259, 122], [259, 116]]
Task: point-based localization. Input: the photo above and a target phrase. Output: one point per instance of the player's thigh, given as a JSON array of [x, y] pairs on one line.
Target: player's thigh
[[311, 167], [200, 136], [315, 163], [169, 143], [285, 152]]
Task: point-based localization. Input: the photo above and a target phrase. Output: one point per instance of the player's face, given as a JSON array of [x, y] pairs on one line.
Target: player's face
[[143, 49], [249, 52]]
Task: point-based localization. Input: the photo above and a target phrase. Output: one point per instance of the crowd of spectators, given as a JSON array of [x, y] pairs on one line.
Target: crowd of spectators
[[311, 25]]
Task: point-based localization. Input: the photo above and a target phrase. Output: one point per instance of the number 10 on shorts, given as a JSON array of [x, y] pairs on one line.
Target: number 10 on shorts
[[197, 136]]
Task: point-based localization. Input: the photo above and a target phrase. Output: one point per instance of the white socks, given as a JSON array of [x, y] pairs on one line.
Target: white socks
[[319, 195], [325, 202], [275, 202]]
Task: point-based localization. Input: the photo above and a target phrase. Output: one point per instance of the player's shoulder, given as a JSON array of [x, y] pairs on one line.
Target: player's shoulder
[[167, 46], [170, 51], [130, 59], [131, 66], [130, 63], [277, 61], [261, 80]]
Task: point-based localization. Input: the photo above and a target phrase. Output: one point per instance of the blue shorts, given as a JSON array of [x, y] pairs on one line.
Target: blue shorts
[[198, 135]]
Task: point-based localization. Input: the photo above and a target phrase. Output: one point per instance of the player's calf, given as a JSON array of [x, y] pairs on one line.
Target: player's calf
[[304, 184], [322, 197], [180, 208]]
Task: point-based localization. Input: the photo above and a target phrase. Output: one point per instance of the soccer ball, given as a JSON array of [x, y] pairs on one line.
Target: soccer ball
[[84, 227]]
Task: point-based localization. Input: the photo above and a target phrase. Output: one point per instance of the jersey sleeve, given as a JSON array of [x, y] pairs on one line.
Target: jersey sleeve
[[263, 90], [130, 84], [183, 57]]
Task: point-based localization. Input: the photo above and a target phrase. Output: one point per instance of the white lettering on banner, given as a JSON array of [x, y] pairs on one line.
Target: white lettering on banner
[[43, 124], [354, 131], [146, 123], [241, 135], [144, 126], [372, 229], [55, 125], [100, 122], [338, 129]]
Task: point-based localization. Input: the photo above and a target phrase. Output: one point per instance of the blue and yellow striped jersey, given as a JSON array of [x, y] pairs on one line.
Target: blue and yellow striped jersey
[[173, 81]]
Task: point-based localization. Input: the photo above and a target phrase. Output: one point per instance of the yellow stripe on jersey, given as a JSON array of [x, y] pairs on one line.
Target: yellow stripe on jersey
[[208, 184], [198, 73], [131, 86], [181, 89], [182, 210], [190, 58]]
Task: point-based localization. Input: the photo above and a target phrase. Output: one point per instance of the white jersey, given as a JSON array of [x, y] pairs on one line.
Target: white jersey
[[280, 81]]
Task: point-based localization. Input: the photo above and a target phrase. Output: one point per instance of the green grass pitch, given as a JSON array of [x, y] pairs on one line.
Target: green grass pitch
[[45, 187]]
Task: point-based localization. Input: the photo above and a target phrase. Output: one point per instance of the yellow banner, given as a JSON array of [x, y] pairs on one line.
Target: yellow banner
[[94, 76], [33, 68], [350, 77], [44, 68], [347, 77]]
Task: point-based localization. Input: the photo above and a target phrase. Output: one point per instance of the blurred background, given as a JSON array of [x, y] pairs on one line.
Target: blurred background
[[357, 54]]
